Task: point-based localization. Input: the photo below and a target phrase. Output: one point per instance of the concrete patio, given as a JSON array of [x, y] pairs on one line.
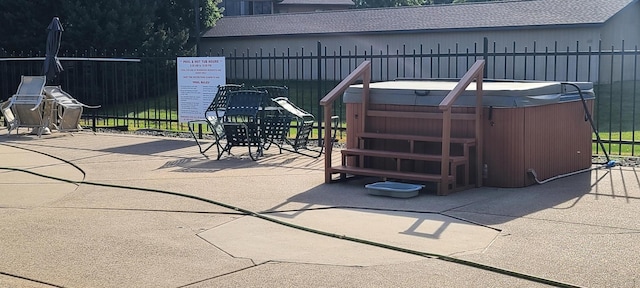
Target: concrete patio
[[115, 210]]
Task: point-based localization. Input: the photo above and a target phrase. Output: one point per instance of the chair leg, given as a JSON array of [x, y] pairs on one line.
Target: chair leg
[[201, 147], [255, 155], [221, 150], [254, 140]]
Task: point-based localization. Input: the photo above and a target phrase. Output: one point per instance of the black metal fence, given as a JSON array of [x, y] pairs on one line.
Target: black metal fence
[[138, 90]]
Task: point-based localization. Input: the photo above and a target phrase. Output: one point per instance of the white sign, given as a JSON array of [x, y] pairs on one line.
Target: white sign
[[198, 80]]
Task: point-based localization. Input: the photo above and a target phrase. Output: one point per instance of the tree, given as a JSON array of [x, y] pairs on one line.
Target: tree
[[106, 25], [169, 27], [23, 24]]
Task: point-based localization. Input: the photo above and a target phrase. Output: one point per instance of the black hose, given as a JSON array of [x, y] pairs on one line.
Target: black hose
[[30, 279], [586, 111], [319, 232], [535, 175]]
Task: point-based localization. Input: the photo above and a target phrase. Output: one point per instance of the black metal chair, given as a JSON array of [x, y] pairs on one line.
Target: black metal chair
[[272, 92], [275, 122], [298, 140], [240, 122], [212, 117]]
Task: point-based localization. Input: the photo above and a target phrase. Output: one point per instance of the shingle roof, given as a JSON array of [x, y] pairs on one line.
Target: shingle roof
[[317, 2], [416, 18]]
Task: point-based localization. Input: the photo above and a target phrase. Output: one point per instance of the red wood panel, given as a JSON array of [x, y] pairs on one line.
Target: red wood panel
[[504, 147], [557, 140], [551, 139], [463, 128], [409, 126], [353, 124]]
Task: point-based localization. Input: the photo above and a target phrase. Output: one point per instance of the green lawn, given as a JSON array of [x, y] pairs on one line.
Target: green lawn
[[614, 115]]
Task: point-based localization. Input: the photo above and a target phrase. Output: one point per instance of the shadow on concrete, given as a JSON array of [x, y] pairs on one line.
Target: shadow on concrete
[[191, 165], [240, 160], [508, 203], [150, 148]]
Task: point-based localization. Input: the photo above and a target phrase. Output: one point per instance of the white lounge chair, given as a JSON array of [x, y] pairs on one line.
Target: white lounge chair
[[9, 118], [27, 106], [66, 113]]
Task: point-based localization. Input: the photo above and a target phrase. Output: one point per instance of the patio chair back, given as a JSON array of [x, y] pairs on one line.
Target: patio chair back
[[216, 109], [27, 104], [29, 91], [241, 122], [213, 118], [272, 92], [245, 104], [220, 99]]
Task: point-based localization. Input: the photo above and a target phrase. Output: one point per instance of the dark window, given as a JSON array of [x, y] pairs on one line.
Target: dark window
[[262, 7], [240, 7]]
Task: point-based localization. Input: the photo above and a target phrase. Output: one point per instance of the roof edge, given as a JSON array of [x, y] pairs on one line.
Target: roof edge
[[443, 30]]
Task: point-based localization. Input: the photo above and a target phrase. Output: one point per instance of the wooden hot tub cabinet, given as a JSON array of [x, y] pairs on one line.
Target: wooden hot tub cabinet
[[526, 125]]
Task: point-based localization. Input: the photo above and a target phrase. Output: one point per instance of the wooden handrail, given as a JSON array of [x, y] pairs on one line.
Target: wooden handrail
[[362, 71], [472, 74], [476, 73], [337, 91]]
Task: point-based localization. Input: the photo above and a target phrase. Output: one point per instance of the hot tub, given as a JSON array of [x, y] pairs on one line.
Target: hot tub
[[537, 125]]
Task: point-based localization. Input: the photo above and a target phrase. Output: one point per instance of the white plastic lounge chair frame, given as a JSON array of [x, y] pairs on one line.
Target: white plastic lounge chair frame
[[27, 105], [67, 111], [9, 118]]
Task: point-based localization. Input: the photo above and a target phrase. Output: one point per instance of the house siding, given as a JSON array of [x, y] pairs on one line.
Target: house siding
[[621, 34], [442, 48], [408, 41], [623, 27], [438, 43]]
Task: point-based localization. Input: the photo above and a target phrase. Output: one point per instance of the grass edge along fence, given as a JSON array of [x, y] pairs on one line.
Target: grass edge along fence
[[139, 90]]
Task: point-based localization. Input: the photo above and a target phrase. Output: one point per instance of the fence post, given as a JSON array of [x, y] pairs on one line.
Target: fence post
[[485, 47], [94, 119], [319, 91]]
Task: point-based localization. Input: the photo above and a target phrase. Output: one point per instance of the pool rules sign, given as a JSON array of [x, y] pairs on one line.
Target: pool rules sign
[[198, 80]]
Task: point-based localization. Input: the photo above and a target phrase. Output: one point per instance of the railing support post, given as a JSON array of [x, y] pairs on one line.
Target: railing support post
[[446, 145], [479, 131], [364, 71], [476, 72]]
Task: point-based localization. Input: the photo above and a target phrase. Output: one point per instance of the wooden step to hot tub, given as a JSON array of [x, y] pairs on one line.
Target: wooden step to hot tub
[[399, 155], [388, 174], [467, 142], [454, 162], [372, 126]]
